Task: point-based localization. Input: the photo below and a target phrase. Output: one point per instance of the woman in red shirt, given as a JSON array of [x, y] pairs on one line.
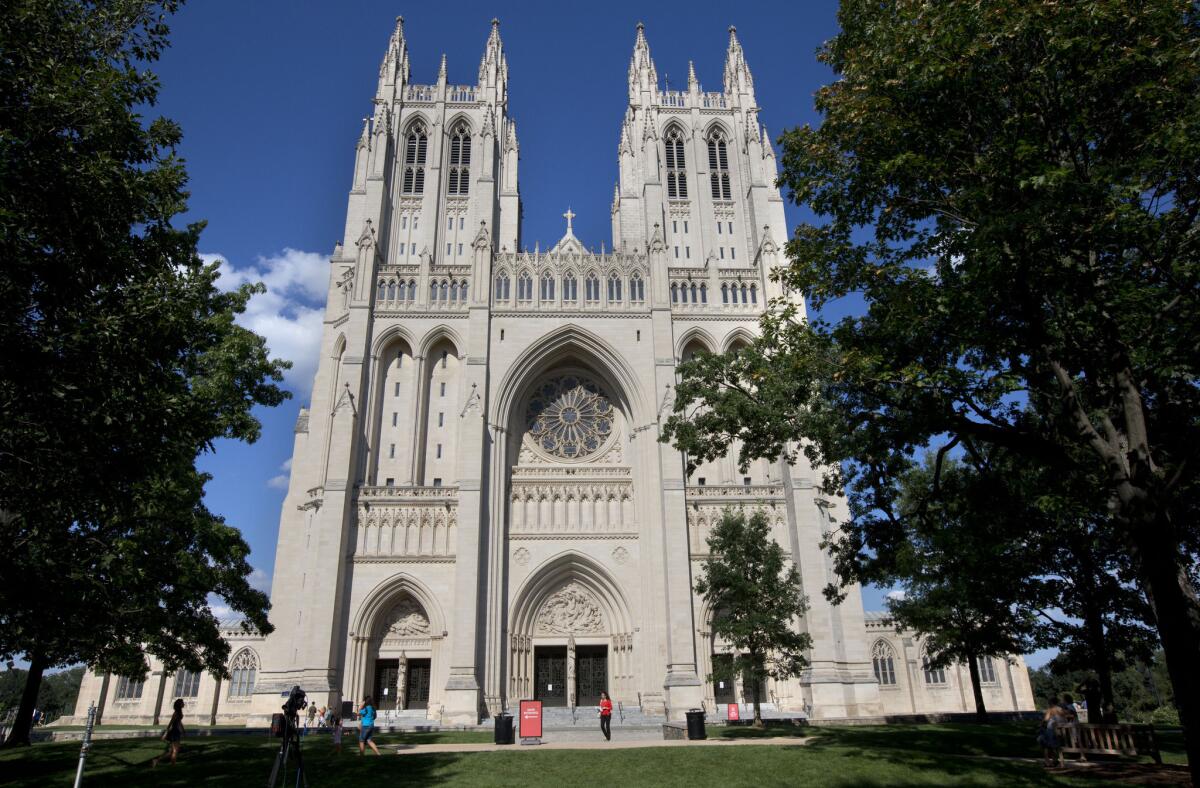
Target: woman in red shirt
[[606, 716]]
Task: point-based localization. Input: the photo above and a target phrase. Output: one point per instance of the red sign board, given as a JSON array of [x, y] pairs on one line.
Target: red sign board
[[733, 715], [531, 719]]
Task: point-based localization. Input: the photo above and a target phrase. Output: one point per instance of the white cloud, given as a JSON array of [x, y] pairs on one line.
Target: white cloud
[[260, 580], [289, 314], [287, 465], [896, 595], [279, 482]]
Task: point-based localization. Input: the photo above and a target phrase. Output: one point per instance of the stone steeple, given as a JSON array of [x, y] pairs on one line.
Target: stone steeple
[[493, 67], [737, 74], [394, 69], [643, 76]]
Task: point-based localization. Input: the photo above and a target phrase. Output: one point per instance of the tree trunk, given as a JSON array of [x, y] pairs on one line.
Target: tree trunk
[[19, 735], [1177, 613], [977, 689], [755, 692], [1093, 627]]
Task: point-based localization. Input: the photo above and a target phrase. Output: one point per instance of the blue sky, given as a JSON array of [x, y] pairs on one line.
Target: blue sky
[[271, 97]]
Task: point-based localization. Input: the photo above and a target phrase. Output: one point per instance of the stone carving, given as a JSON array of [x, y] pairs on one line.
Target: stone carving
[[572, 610], [406, 619], [521, 556], [620, 555]]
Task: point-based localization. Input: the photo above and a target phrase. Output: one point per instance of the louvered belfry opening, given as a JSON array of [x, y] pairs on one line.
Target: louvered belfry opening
[[459, 180], [676, 166]]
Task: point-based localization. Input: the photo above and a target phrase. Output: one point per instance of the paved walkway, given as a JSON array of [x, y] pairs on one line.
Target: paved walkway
[[616, 744]]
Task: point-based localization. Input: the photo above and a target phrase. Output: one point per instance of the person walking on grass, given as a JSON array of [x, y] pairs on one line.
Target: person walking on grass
[[367, 717], [1047, 736], [335, 724], [173, 735], [606, 716]]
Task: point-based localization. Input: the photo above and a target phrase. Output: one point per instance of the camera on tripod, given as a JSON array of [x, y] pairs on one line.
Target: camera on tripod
[[295, 702], [286, 726]]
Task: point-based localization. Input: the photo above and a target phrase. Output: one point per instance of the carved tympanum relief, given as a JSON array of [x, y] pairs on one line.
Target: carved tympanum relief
[[406, 619], [572, 610]]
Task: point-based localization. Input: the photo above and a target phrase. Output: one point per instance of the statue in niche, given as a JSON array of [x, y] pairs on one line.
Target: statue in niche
[[406, 619], [570, 610]]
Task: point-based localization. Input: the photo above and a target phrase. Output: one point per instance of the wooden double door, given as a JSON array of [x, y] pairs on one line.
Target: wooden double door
[[550, 674]]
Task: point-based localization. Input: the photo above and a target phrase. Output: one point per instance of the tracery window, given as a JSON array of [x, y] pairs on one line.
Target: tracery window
[[932, 675], [724, 294], [987, 670], [637, 288], [570, 417], [412, 291], [614, 288], [674, 293], [718, 166], [591, 288], [415, 147], [570, 289], [129, 689], [676, 165], [187, 684], [883, 658], [242, 673], [502, 283], [547, 287], [703, 293], [524, 287], [459, 178], [754, 294]]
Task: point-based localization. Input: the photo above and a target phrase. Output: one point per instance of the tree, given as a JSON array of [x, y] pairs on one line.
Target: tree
[[122, 360], [1010, 189], [756, 601], [959, 556]]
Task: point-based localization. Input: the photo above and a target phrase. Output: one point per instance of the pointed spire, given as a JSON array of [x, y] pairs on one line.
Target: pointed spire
[[768, 149], [493, 66], [642, 74], [616, 203], [693, 83], [394, 68], [737, 73], [364, 140], [442, 70]]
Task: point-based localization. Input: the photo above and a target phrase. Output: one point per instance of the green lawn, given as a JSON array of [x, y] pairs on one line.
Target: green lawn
[[908, 755]]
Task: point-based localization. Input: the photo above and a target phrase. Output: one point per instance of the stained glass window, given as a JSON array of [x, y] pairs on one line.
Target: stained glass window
[[569, 417]]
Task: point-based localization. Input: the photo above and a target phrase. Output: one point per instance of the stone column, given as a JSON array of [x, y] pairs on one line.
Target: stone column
[[402, 681]]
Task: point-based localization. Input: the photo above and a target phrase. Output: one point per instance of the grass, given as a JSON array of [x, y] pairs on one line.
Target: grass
[[837, 757]]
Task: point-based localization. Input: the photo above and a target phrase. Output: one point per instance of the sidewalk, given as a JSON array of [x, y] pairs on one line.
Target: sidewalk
[[616, 744]]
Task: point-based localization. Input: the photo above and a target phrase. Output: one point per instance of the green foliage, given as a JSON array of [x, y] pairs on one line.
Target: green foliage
[[56, 696], [1142, 689], [756, 600], [122, 358]]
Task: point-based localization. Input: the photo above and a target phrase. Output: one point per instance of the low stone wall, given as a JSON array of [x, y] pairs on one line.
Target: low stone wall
[[928, 719], [674, 730]]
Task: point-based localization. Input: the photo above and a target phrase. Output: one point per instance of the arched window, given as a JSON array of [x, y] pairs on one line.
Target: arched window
[[524, 287], [445, 288], [704, 294], [459, 178], [570, 288], [415, 146], [724, 293], [591, 288], [129, 689], [432, 291], [695, 292], [932, 675], [614, 288], [412, 289], [187, 684], [987, 670], [683, 290], [718, 166], [637, 288], [744, 301], [547, 287], [242, 672], [382, 292], [884, 660], [462, 290], [676, 165], [454, 292], [754, 294], [502, 286], [674, 293], [401, 291], [391, 291]]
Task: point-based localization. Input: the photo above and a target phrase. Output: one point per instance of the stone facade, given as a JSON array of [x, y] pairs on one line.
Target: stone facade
[[480, 509]]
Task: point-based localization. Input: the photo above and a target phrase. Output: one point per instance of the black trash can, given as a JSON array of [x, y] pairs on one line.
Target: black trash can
[[695, 724], [504, 728]]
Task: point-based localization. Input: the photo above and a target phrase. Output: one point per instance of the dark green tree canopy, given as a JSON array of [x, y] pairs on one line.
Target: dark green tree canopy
[[122, 359]]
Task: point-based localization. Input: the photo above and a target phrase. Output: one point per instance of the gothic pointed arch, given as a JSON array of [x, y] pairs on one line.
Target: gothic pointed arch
[[437, 334], [384, 597], [735, 338], [570, 594], [389, 336], [698, 335]]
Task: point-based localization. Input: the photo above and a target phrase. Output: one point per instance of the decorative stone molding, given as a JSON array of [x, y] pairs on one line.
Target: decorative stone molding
[[406, 619], [521, 556], [620, 555]]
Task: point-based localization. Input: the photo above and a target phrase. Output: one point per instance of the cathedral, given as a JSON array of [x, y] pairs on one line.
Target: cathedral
[[480, 509]]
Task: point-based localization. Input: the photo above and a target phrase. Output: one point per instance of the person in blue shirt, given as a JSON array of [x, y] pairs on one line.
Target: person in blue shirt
[[366, 716]]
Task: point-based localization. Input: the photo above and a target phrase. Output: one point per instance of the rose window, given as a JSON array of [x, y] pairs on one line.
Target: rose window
[[569, 417]]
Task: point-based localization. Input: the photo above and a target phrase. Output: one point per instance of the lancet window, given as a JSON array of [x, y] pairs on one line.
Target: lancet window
[[676, 165], [987, 670], [459, 179], [884, 660], [570, 289], [718, 166], [614, 288], [415, 147], [502, 286], [524, 287], [242, 673], [932, 675], [637, 288], [187, 684], [129, 689], [591, 288], [547, 291]]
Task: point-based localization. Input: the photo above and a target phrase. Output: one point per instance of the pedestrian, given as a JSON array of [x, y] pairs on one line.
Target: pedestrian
[[366, 716], [310, 717], [322, 722], [173, 735], [606, 716], [1068, 705], [336, 725], [1047, 736]]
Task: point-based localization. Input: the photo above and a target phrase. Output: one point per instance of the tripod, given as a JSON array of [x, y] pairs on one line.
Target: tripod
[[291, 743]]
